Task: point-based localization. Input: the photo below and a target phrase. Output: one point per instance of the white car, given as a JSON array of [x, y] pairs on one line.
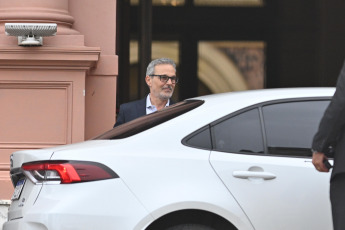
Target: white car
[[238, 160]]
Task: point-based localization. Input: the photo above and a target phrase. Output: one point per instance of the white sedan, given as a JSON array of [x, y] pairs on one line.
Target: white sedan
[[238, 160]]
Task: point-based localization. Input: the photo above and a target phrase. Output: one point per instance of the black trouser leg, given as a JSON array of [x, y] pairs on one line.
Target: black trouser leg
[[337, 194]]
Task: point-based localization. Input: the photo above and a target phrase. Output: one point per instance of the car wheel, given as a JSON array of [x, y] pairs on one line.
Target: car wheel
[[190, 227]]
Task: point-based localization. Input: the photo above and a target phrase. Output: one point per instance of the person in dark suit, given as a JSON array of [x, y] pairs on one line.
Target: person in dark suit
[[161, 80], [329, 141]]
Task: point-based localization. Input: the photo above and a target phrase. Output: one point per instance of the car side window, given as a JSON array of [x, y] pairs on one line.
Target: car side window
[[239, 134], [200, 140], [290, 126]]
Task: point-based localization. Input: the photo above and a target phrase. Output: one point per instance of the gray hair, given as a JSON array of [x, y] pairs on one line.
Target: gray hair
[[151, 67]]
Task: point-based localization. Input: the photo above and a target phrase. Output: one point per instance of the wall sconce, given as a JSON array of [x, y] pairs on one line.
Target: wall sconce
[[30, 34]]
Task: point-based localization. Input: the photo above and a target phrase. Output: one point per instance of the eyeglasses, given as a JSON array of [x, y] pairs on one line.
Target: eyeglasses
[[165, 78]]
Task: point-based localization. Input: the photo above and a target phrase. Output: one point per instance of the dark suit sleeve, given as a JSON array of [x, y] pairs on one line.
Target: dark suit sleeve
[[130, 111], [120, 117], [333, 120]]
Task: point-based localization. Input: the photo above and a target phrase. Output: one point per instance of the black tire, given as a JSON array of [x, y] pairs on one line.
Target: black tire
[[190, 227]]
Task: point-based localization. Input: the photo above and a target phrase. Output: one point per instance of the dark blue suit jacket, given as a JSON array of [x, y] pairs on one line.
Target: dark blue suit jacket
[[331, 130], [132, 110]]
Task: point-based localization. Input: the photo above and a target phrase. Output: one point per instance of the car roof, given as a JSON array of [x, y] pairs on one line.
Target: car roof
[[272, 94], [205, 109], [219, 105]]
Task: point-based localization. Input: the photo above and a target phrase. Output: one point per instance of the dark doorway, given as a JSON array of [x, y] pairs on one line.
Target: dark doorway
[[301, 41]]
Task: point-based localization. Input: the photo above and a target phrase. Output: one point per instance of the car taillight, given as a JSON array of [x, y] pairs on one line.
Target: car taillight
[[66, 172]]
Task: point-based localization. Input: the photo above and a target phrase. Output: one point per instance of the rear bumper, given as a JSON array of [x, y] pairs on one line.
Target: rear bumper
[[20, 224], [91, 207]]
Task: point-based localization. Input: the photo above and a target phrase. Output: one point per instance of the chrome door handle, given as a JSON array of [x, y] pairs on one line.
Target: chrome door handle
[[252, 174]]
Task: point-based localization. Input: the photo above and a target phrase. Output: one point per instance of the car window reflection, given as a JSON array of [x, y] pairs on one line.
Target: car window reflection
[[146, 122]]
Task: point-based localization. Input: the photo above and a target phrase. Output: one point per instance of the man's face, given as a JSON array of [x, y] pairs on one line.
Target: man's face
[[159, 89]]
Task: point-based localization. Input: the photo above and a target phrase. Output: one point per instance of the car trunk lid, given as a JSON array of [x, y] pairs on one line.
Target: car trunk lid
[[25, 191]]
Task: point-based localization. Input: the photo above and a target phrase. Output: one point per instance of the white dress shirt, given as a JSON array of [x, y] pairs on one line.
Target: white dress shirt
[[151, 108]]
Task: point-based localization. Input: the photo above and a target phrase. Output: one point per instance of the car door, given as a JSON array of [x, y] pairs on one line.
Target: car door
[[263, 157]]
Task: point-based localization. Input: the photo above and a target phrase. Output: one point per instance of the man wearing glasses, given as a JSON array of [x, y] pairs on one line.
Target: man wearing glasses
[[161, 80]]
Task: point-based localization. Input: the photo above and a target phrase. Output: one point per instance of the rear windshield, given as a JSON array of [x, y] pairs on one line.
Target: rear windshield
[[146, 122]]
